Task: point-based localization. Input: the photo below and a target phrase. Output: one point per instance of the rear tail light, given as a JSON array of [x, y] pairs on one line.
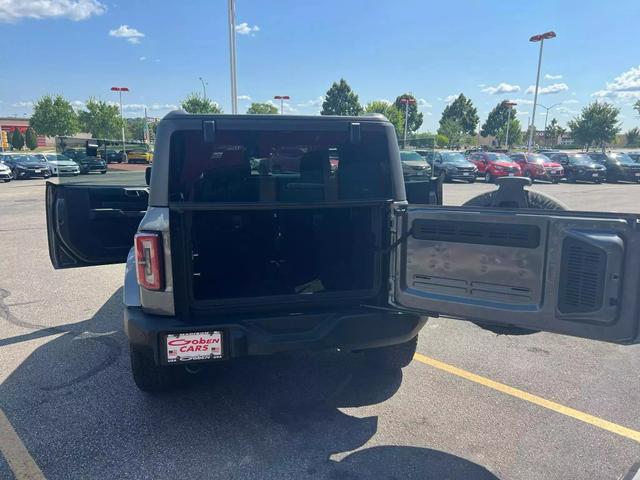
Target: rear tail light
[[149, 268]]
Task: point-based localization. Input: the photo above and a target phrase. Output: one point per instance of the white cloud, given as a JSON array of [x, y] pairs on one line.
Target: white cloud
[[570, 101], [132, 35], [22, 104], [450, 98], [77, 104], [317, 102], [428, 114], [245, 29], [522, 101], [482, 85], [142, 59], [423, 103], [552, 77], [163, 106], [133, 106], [13, 10], [501, 89], [555, 88], [244, 97], [624, 86]]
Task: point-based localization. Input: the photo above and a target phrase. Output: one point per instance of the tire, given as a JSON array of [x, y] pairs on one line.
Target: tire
[[537, 200], [530, 177], [103, 172], [393, 357], [571, 178], [555, 181], [488, 178], [471, 180], [6, 180], [151, 378]]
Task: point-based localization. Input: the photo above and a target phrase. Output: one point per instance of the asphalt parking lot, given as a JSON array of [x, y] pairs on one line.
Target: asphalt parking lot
[[472, 405]]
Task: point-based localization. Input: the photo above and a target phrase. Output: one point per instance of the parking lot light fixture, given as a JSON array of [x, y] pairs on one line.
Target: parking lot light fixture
[[120, 90], [406, 102], [282, 98], [537, 38], [547, 116]]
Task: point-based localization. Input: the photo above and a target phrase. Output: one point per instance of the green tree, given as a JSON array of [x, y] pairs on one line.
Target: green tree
[[414, 118], [496, 120], [515, 132], [452, 129], [17, 140], [636, 106], [596, 125], [195, 103], [442, 140], [101, 119], [54, 116], [553, 132], [633, 137], [257, 108], [30, 139], [135, 128], [390, 111], [462, 111], [341, 100]]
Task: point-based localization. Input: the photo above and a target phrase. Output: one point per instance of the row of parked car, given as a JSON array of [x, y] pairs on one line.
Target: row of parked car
[[544, 165], [17, 165]]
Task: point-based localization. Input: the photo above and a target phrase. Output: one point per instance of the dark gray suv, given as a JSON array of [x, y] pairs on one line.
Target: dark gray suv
[[227, 255]]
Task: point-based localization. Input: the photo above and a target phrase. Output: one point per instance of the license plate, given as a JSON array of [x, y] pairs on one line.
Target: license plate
[[37, 171], [512, 174], [637, 174], [188, 347], [466, 174], [594, 174]]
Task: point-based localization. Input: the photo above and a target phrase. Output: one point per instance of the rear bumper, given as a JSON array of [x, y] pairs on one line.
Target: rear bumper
[[350, 330], [462, 176], [589, 176]]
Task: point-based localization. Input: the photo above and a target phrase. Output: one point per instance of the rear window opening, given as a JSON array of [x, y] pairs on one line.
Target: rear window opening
[[253, 166]]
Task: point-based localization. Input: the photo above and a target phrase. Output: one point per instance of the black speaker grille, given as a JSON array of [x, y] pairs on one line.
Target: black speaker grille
[[479, 233], [582, 277]]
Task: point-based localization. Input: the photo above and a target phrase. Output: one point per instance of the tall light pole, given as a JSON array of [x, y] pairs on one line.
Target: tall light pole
[[120, 90], [537, 38], [204, 88], [232, 55], [510, 105], [282, 98], [546, 117], [406, 102]]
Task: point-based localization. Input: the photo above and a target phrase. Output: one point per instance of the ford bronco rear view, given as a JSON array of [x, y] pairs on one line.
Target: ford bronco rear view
[[265, 234]]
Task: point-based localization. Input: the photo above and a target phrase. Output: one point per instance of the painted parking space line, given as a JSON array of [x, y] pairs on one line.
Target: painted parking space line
[[528, 397], [22, 464]]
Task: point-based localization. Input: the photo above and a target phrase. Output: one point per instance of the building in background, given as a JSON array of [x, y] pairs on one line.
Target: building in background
[[9, 124]]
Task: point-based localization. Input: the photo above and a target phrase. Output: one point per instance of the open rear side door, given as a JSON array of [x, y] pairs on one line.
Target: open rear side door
[[566, 272], [92, 224]]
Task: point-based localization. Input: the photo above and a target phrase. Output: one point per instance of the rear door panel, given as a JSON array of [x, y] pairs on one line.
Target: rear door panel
[[566, 272], [92, 224]]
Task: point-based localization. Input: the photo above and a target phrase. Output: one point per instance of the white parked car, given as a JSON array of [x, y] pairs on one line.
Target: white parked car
[[5, 172], [59, 164]]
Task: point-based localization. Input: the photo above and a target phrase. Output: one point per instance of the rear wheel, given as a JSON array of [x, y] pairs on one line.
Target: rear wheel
[[488, 177], [393, 357], [151, 378]]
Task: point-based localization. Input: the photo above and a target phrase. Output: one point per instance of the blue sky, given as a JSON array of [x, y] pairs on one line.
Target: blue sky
[[159, 49]]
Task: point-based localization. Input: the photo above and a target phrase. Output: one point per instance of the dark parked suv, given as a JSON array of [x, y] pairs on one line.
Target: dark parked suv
[[620, 166], [453, 166], [580, 166], [226, 257]]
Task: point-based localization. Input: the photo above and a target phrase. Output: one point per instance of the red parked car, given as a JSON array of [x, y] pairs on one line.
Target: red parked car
[[537, 166], [493, 165]]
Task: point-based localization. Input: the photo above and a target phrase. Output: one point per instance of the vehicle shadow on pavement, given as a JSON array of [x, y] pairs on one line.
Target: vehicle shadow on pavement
[[74, 404]]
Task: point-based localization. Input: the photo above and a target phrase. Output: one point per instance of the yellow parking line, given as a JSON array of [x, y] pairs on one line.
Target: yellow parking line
[[528, 397], [18, 457]]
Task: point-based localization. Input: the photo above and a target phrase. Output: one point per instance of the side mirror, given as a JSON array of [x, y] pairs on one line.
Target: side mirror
[[147, 176]]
